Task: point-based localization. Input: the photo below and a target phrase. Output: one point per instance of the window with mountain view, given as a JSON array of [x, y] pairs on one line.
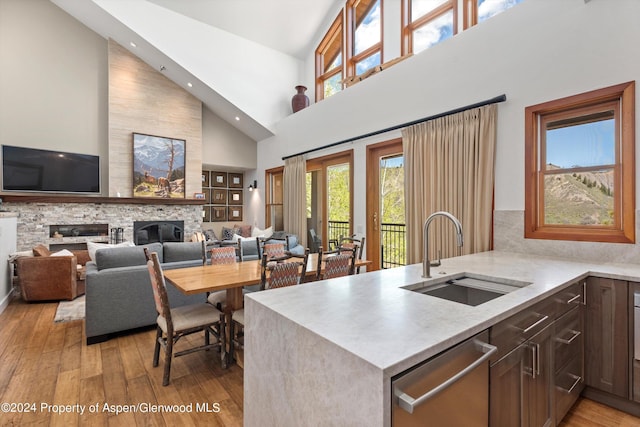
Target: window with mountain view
[[579, 168]]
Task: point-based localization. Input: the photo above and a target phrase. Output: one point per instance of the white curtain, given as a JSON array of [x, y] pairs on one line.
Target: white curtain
[[295, 198], [449, 166]]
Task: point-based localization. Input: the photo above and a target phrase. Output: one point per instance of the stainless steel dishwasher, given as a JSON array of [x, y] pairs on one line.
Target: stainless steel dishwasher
[[450, 389]]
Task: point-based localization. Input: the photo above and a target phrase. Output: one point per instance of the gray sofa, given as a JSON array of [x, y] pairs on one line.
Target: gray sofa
[[118, 289]]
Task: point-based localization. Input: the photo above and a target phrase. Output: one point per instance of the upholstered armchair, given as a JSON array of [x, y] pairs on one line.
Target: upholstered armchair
[[44, 278]]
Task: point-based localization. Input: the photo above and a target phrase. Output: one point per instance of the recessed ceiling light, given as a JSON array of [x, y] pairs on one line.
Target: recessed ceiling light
[[189, 84], [133, 44], [237, 118]]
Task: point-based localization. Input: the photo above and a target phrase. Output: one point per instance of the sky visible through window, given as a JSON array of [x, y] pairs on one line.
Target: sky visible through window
[[584, 145]]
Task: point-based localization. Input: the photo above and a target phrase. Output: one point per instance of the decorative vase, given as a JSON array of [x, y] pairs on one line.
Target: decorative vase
[[299, 100]]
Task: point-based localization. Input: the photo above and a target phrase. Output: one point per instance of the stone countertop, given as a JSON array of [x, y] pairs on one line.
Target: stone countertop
[[5, 214], [372, 317]]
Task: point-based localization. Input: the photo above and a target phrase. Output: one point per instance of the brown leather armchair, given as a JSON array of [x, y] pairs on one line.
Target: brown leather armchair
[[44, 278]]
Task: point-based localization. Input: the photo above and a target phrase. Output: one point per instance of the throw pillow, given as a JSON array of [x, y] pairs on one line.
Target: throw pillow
[[245, 230], [41, 250], [266, 233], [227, 233], [211, 235], [92, 247], [64, 252]]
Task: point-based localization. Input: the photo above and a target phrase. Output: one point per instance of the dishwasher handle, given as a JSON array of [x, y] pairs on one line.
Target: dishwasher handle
[[408, 403]]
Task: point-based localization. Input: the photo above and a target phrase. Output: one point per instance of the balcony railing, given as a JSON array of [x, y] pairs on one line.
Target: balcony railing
[[392, 237], [393, 245]]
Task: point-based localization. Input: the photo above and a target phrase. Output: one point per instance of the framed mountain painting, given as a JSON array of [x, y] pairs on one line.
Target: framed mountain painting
[[158, 166]]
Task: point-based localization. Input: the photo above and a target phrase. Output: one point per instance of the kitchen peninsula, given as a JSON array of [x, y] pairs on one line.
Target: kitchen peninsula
[[326, 352]]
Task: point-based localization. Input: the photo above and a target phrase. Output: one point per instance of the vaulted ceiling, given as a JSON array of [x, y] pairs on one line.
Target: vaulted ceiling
[[242, 57]]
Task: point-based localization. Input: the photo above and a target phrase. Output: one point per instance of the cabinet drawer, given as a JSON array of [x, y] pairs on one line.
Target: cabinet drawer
[[569, 298], [515, 330], [568, 337], [569, 383]]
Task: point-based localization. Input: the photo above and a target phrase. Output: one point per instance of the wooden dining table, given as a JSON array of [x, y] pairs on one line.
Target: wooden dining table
[[229, 277]]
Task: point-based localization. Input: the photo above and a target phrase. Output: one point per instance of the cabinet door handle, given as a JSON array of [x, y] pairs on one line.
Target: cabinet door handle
[[534, 361], [584, 292], [575, 333], [577, 297], [577, 381], [530, 327]]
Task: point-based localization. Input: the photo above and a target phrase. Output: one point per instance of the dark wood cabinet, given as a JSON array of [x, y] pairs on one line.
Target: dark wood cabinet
[[607, 336]]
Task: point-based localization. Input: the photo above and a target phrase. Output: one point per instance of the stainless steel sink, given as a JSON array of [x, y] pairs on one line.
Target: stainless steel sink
[[467, 288]]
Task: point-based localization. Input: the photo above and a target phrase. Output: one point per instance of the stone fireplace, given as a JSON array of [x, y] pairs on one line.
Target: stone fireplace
[[36, 215]]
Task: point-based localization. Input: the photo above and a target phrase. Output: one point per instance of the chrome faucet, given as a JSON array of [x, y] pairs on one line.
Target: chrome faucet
[[426, 263]]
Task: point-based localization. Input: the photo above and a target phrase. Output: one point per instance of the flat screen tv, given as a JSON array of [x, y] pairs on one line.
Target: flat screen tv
[[30, 169]]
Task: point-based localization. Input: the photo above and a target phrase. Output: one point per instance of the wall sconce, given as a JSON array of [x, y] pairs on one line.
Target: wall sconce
[[253, 186]]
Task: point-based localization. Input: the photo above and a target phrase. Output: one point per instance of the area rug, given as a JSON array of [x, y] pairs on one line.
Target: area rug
[[70, 310]]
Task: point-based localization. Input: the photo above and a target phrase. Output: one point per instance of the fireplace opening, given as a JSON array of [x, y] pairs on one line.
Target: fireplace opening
[[157, 231]]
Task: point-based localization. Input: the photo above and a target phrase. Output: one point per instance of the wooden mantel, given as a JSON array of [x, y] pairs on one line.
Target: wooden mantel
[[97, 199]]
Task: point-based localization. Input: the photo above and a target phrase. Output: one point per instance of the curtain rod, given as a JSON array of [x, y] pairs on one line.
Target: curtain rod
[[495, 100]]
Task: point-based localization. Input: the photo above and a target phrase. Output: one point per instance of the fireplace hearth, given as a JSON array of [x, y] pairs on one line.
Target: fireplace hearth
[[157, 231]]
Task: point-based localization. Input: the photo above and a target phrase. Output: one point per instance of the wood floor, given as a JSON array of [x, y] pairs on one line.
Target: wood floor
[[44, 363]]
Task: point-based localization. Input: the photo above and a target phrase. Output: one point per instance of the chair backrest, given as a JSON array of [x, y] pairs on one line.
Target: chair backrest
[[273, 250], [223, 255], [159, 287], [287, 270], [338, 263], [315, 242], [350, 243]]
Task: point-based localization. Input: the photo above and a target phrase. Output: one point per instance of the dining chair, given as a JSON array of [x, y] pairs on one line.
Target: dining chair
[[175, 323], [351, 242], [337, 263], [287, 270], [221, 255], [272, 250]]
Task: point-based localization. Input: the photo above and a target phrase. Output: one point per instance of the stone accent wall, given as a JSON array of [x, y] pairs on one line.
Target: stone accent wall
[[34, 219]]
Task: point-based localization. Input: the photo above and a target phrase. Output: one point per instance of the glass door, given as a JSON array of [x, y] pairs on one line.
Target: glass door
[[386, 225]]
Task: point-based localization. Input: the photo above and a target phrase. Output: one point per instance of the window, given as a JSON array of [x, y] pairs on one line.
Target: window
[[480, 10], [274, 198], [426, 23], [365, 35], [329, 74], [579, 167]]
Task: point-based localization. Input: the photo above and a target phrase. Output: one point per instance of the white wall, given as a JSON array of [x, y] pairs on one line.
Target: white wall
[[225, 146], [537, 51]]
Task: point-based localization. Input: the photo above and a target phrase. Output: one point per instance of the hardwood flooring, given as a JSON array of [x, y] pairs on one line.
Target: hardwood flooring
[[44, 363]]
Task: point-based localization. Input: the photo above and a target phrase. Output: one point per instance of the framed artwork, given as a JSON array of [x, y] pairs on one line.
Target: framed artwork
[[206, 214], [218, 179], [158, 166], [205, 179], [235, 180], [235, 213], [207, 196], [219, 213], [218, 196], [235, 197]]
